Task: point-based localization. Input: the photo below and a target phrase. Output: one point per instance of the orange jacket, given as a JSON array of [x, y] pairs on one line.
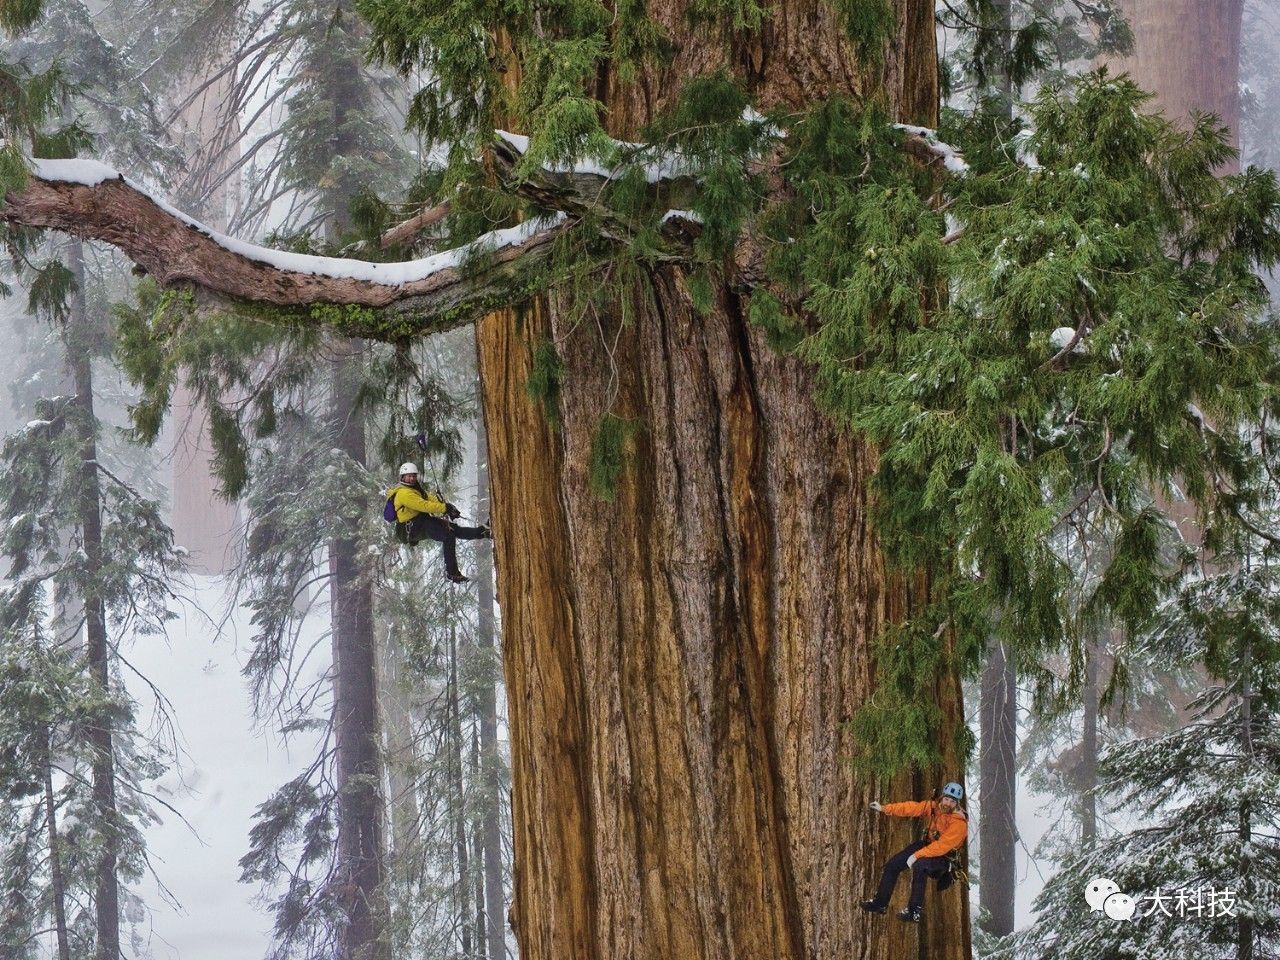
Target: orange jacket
[[947, 830]]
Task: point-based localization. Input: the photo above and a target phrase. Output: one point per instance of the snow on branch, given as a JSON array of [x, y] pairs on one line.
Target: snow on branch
[[950, 156], [93, 201], [666, 165]]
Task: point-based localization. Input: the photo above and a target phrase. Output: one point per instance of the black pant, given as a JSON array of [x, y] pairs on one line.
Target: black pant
[[424, 527], [921, 870]]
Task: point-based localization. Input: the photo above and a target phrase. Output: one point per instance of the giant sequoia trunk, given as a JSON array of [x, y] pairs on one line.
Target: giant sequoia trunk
[[1187, 52], [681, 662]]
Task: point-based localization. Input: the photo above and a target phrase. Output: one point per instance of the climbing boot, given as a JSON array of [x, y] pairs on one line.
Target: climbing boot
[[872, 907], [909, 915], [458, 578]]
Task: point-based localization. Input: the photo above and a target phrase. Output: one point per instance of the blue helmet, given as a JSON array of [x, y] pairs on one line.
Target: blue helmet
[[954, 791]]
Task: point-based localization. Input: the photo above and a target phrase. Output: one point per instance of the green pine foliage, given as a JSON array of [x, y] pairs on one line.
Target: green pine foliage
[[48, 702], [1201, 796], [340, 148], [1101, 311], [1074, 325], [1053, 332], [869, 24], [609, 453], [993, 48], [546, 373]]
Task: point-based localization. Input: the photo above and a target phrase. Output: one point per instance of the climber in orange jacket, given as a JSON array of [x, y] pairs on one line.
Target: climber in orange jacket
[[948, 826]]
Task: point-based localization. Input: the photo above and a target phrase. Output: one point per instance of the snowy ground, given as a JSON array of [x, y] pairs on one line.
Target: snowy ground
[[228, 770]]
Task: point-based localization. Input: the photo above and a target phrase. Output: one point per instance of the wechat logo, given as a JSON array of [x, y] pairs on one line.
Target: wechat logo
[[1104, 896]]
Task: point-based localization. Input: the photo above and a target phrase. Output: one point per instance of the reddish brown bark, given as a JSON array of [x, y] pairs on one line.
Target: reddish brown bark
[[681, 662], [173, 252], [1187, 52]]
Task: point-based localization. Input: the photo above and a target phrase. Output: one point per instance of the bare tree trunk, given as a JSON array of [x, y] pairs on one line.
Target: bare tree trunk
[[475, 823], [80, 335], [397, 746], [682, 662], [360, 843], [998, 765], [457, 799], [1088, 776], [56, 881], [1245, 922], [360, 803], [495, 896]]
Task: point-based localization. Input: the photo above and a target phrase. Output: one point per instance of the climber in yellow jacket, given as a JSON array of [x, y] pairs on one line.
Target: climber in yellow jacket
[[420, 515], [946, 830]]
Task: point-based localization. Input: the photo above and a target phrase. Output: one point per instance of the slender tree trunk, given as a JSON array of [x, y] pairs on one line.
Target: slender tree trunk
[[360, 803], [397, 737], [682, 662], [998, 723], [495, 896], [998, 766], [1245, 922], [59, 887], [360, 843], [457, 799], [1088, 778], [475, 824], [80, 335]]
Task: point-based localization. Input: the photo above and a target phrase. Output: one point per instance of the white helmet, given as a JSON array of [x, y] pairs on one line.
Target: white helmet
[[408, 468]]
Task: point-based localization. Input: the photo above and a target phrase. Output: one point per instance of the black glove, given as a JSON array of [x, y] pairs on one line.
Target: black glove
[[452, 512]]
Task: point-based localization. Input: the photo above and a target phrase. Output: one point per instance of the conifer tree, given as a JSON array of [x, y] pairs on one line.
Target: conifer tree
[[99, 596], [1203, 851], [763, 271], [109, 563]]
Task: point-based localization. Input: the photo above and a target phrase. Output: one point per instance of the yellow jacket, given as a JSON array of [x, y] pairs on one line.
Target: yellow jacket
[[946, 830], [410, 503]]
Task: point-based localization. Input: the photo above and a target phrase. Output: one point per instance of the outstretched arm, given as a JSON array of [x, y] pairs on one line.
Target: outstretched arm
[[907, 808]]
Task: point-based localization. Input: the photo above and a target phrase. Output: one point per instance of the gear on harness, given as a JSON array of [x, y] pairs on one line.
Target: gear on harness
[[419, 515], [936, 854]]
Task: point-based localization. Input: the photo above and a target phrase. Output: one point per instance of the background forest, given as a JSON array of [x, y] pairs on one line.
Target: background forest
[[236, 720], [222, 639]]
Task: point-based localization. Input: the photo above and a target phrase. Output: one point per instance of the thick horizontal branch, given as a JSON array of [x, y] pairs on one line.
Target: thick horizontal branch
[[447, 289], [92, 201], [89, 200]]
